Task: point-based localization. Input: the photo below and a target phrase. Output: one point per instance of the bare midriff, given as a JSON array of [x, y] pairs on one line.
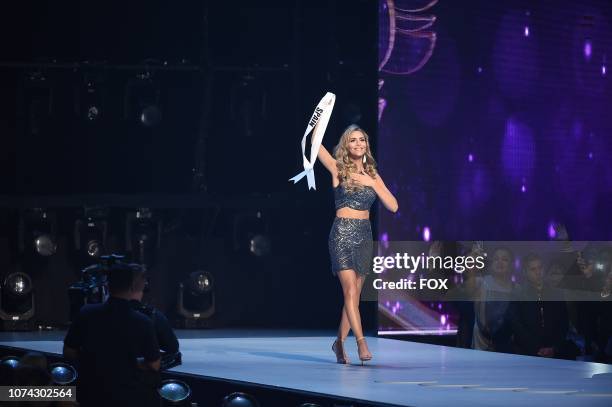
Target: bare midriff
[[352, 213]]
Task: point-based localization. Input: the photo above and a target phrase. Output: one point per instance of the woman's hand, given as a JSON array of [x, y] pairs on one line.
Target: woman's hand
[[381, 190], [363, 179]]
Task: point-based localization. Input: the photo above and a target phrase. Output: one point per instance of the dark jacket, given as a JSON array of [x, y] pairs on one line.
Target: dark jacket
[[537, 322]]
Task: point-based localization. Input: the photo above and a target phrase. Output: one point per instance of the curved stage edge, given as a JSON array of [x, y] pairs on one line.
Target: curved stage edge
[[292, 367]]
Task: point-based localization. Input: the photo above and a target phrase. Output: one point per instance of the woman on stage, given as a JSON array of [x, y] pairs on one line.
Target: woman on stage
[[356, 185]]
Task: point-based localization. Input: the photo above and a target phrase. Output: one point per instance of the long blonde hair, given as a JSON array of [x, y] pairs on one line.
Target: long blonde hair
[[344, 163]]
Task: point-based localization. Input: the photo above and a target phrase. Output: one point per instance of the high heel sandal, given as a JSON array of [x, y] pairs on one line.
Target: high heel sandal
[[338, 349], [364, 358]]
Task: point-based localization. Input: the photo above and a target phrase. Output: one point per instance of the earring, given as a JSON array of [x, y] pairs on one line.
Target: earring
[[364, 159]]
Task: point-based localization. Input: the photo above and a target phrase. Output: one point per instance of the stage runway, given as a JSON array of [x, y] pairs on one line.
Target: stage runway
[[401, 373]]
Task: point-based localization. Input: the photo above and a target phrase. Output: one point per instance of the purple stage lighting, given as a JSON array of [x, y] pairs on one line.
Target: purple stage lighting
[[384, 240], [516, 62], [426, 233], [588, 50], [552, 233], [518, 152]]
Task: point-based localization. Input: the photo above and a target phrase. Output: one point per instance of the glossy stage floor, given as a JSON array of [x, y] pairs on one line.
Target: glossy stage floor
[[401, 373]]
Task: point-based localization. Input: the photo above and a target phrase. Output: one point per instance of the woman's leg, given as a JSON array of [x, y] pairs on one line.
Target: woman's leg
[[345, 327], [351, 289], [362, 345]]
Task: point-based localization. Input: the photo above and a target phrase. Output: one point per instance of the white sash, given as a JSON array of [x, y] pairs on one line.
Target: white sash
[[321, 115]]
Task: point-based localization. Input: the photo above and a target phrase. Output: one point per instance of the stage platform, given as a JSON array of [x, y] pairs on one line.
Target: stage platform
[[400, 374]]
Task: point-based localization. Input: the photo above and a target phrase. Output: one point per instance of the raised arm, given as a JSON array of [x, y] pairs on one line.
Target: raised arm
[[385, 195], [328, 161]]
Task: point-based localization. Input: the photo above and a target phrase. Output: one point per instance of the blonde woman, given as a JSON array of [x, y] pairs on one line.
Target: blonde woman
[[356, 185]]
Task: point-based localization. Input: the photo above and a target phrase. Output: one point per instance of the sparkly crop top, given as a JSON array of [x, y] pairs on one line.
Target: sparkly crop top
[[361, 199]]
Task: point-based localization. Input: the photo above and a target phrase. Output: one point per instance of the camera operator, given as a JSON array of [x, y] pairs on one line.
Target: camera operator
[[115, 346], [166, 337]]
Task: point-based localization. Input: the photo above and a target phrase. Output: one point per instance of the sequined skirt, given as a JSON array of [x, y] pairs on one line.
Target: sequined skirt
[[350, 245]]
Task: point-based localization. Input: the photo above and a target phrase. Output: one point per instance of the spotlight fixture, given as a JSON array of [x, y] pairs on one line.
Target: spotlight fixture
[[142, 100], [91, 97], [251, 233], [260, 245], [92, 113], [90, 232], [12, 361], [37, 232], [196, 299], [175, 393], [143, 235], [63, 374], [239, 400], [16, 300], [150, 115], [18, 284], [45, 245]]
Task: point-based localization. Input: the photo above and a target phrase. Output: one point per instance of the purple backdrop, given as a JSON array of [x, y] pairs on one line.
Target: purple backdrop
[[506, 126], [495, 119]]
